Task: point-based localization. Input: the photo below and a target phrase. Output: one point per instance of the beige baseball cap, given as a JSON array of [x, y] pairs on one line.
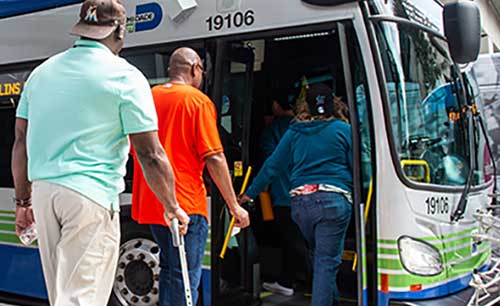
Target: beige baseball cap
[[99, 18]]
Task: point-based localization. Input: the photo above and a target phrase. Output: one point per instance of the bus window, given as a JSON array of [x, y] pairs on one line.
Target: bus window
[[152, 65], [429, 131], [7, 119], [11, 86]]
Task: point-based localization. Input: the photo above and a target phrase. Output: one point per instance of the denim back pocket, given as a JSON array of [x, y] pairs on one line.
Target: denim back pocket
[[338, 209]]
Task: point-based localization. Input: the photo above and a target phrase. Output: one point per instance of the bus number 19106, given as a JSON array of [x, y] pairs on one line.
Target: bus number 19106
[[437, 205], [231, 20]]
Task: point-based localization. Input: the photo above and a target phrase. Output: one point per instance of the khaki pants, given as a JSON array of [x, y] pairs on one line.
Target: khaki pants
[[79, 242]]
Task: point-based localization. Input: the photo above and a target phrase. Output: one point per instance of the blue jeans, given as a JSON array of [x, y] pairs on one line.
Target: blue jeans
[[323, 218], [171, 284]]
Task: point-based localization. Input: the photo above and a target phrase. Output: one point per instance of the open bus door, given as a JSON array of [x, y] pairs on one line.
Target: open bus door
[[231, 279], [355, 111]]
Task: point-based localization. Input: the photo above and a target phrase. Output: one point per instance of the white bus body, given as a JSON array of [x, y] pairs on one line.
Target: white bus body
[[411, 153]]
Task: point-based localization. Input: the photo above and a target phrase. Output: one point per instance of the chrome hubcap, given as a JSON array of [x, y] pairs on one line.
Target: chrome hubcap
[[138, 273]]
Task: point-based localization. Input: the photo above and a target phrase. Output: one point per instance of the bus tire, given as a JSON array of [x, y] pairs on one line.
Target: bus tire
[[137, 274]]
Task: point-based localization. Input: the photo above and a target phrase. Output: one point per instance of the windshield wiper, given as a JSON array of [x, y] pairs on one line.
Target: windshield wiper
[[462, 203]]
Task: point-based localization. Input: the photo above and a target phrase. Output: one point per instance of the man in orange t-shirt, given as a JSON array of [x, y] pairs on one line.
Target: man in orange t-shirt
[[188, 131]]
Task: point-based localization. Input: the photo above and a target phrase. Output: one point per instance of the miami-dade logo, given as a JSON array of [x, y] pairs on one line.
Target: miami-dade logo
[[147, 17]]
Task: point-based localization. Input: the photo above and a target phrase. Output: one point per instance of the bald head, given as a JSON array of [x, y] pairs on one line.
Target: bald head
[[185, 66], [184, 56]]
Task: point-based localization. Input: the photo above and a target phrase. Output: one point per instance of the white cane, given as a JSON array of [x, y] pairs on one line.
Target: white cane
[[178, 241]]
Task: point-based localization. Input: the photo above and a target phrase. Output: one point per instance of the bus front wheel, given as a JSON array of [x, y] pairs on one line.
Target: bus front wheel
[[138, 271]]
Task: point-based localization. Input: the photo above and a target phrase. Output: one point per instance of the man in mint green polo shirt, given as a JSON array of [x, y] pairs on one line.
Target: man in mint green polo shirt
[[73, 124]]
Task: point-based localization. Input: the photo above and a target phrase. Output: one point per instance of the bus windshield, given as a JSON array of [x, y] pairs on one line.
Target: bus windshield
[[429, 130]]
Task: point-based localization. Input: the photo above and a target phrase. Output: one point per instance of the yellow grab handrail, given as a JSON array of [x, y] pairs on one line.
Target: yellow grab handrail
[[231, 224], [418, 162]]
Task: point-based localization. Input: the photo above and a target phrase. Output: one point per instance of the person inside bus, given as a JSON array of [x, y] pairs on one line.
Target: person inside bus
[[187, 124], [294, 252], [318, 150]]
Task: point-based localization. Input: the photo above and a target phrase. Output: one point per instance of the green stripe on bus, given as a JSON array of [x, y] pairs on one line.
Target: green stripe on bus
[[206, 261], [10, 238], [365, 273], [5, 218], [471, 263], [459, 253], [388, 251], [387, 241], [454, 243], [8, 227], [9, 212], [389, 264], [453, 256], [442, 246]]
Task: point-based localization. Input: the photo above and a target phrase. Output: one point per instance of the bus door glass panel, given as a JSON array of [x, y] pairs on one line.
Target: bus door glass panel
[[429, 128], [360, 111], [235, 114], [363, 112], [363, 109], [236, 105]]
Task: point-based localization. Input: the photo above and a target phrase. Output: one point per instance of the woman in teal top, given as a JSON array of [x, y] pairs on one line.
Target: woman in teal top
[[318, 150]]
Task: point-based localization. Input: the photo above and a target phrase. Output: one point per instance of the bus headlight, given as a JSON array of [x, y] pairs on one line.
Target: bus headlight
[[419, 257]]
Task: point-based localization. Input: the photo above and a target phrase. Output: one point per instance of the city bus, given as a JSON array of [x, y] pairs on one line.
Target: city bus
[[421, 166]]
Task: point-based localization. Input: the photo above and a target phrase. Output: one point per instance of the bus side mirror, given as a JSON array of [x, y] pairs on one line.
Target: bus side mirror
[[462, 27]]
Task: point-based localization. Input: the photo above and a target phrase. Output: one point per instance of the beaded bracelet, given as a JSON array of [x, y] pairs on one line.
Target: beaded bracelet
[[22, 203]]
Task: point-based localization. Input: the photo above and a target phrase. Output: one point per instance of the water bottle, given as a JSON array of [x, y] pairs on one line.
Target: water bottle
[[28, 235]]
